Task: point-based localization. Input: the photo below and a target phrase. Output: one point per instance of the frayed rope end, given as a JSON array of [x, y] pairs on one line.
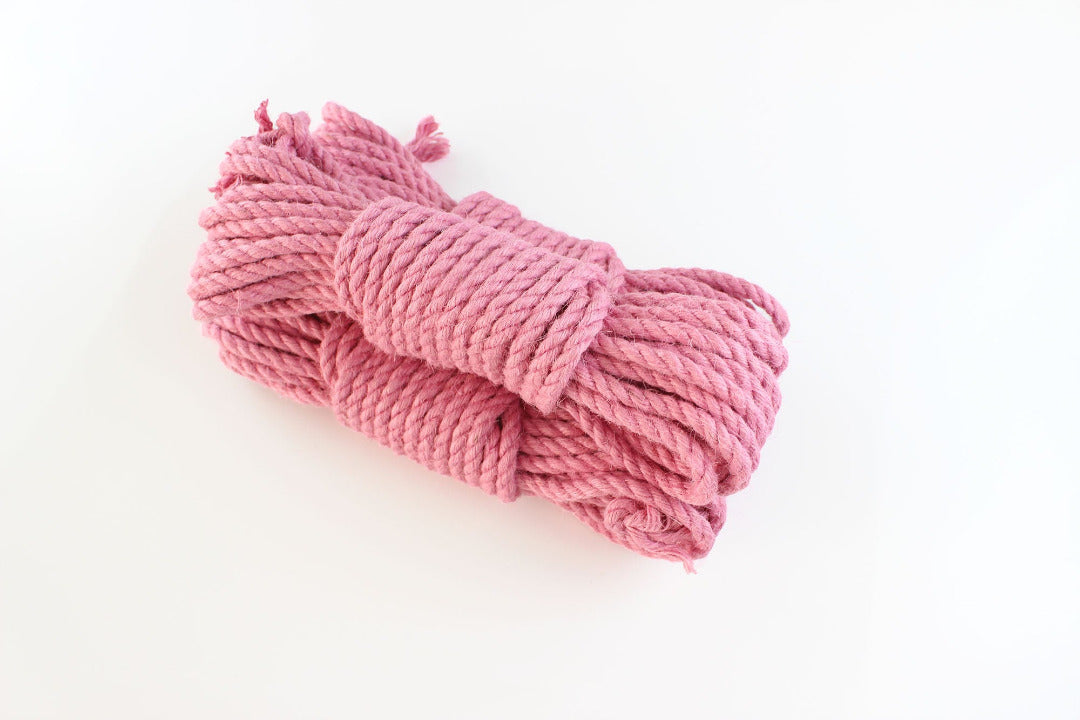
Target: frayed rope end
[[263, 117], [429, 144]]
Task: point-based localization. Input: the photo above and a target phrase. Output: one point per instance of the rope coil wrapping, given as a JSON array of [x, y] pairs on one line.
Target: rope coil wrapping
[[513, 357], [441, 288]]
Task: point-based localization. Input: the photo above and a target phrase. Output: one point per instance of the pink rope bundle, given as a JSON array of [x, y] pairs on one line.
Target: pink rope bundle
[[485, 346]]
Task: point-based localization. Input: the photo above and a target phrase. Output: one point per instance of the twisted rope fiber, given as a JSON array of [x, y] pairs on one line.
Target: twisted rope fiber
[[486, 346]]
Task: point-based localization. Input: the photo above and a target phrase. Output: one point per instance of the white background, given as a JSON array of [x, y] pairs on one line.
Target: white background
[[177, 542]]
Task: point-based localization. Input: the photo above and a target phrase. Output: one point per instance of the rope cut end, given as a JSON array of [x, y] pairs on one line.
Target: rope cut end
[[429, 144], [262, 117]]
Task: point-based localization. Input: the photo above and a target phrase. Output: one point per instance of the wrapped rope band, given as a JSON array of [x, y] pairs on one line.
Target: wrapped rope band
[[435, 286]]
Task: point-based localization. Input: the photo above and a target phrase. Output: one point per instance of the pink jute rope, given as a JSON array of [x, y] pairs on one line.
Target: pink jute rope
[[488, 347]]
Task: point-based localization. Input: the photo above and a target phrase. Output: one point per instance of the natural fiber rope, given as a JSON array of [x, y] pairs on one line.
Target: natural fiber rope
[[488, 347]]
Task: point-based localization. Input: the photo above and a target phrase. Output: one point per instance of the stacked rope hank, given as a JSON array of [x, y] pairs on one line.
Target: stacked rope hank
[[687, 365], [640, 441]]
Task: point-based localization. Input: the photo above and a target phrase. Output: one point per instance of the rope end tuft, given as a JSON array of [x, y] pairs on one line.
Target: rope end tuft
[[429, 144], [262, 116]]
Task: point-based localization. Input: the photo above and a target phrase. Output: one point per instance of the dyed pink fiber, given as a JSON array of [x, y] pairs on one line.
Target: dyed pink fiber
[[486, 346]]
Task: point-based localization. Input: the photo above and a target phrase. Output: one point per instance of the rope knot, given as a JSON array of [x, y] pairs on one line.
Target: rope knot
[[432, 285]]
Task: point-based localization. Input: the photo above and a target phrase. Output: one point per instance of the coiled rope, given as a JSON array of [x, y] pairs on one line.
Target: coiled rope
[[485, 346]]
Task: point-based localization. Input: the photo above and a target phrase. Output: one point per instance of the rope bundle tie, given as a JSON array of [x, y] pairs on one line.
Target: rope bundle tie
[[432, 285], [486, 346]]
